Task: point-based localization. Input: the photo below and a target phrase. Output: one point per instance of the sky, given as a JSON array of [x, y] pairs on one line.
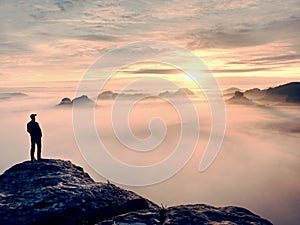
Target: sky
[[42, 41]]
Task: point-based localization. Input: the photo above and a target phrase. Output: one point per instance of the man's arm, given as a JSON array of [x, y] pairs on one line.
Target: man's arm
[[28, 128], [40, 130]]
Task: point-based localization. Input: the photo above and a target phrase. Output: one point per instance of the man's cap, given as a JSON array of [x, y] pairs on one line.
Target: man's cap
[[33, 115]]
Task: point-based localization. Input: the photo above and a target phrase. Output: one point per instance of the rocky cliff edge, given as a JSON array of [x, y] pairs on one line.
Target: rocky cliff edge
[[59, 192]]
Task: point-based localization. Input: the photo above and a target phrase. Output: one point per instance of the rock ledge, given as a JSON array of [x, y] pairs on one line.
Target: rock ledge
[[58, 192]]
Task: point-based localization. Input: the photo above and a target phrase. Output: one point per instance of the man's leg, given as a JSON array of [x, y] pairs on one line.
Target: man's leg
[[32, 150], [39, 148]]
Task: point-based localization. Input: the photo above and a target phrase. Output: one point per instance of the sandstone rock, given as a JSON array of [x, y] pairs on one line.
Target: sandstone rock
[[239, 98], [65, 102], [190, 215], [59, 192]]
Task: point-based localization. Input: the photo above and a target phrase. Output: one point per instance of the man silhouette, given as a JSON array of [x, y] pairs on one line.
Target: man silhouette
[[35, 132]]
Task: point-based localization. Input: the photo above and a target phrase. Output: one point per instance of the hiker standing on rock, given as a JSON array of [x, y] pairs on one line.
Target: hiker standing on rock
[[35, 132]]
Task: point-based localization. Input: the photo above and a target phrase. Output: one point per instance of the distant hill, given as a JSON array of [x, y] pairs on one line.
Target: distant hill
[[5, 96], [110, 95], [107, 95], [180, 92], [231, 91], [289, 93], [239, 98], [82, 101], [65, 102], [255, 93]]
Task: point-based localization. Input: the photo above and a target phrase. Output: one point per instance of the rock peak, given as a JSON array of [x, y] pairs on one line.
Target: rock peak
[[58, 192]]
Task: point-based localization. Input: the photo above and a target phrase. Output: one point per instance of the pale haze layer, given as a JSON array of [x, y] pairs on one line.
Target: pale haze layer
[[257, 167]]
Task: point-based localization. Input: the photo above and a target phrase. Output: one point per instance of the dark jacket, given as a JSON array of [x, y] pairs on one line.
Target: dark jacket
[[34, 129]]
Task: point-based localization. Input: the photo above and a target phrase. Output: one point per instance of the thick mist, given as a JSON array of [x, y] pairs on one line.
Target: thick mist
[[257, 167]]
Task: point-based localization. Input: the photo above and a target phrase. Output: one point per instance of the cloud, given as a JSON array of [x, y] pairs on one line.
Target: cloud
[[222, 39], [99, 37], [279, 58], [63, 5], [208, 25], [247, 34], [153, 71], [9, 47], [238, 70], [268, 62]]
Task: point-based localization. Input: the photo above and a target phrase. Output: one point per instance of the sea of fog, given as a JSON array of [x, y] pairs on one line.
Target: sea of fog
[[257, 167]]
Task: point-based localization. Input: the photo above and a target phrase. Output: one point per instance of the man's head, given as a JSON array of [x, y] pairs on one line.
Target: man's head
[[32, 116]]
